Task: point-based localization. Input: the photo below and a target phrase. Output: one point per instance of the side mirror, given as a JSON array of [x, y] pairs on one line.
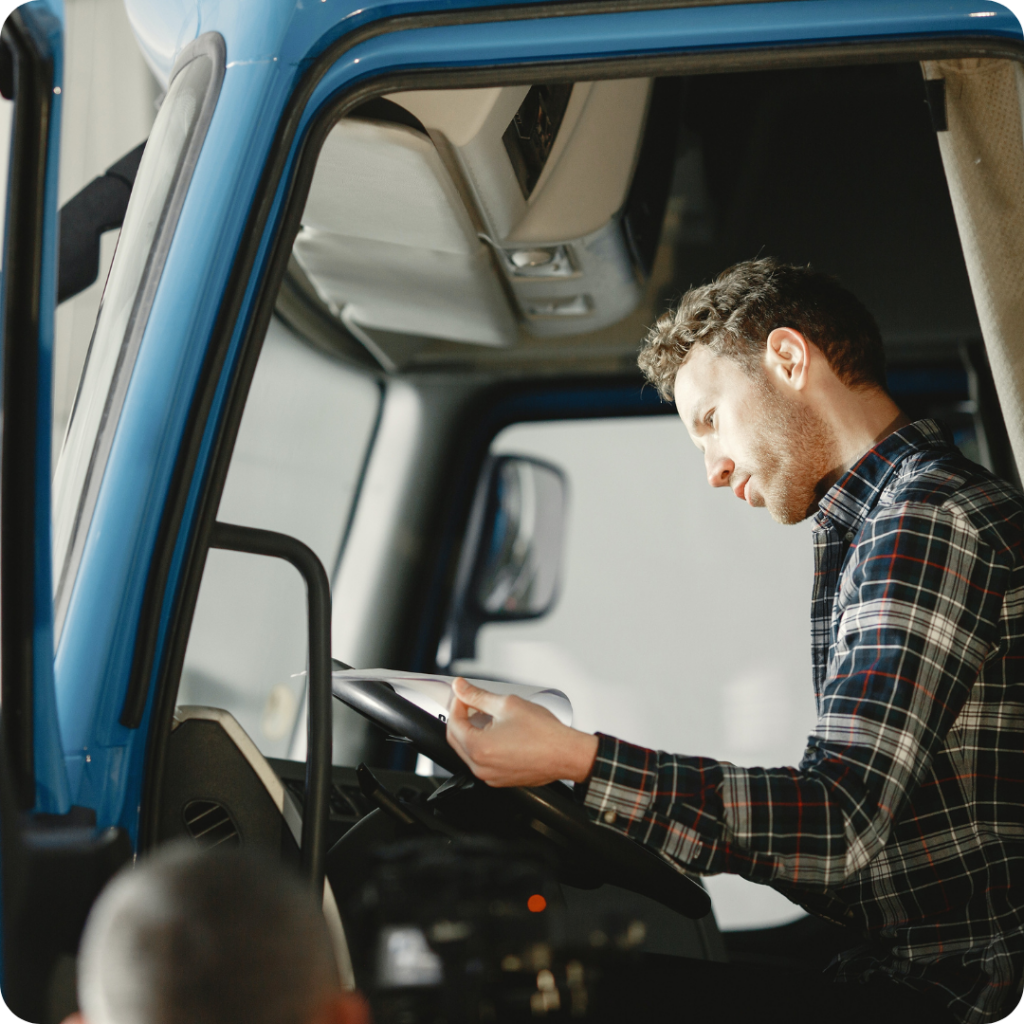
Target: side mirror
[[512, 554]]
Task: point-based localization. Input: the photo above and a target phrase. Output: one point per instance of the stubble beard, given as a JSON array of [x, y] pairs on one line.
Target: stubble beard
[[795, 451]]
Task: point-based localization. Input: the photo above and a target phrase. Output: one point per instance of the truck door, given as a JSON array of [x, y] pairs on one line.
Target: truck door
[[52, 859]]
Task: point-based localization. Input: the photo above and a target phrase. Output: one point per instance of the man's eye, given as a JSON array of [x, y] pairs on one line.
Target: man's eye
[[710, 419]]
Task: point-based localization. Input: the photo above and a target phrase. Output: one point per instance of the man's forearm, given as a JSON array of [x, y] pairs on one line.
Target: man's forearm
[[715, 817], [507, 741]]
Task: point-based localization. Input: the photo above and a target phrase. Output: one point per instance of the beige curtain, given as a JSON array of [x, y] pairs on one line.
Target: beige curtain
[[983, 155]]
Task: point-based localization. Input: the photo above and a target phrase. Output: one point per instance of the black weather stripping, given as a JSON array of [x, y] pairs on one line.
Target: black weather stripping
[[99, 207]]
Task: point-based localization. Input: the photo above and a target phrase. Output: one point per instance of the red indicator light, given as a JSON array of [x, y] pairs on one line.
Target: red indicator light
[[536, 903]]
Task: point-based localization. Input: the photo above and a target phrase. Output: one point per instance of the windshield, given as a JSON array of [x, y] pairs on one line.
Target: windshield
[[297, 468], [145, 237]]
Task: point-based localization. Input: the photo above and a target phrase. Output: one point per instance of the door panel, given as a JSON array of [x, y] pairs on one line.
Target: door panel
[[52, 860]]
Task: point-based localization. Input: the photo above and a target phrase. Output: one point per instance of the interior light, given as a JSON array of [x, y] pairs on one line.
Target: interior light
[[539, 261], [982, 14], [570, 305], [531, 257]]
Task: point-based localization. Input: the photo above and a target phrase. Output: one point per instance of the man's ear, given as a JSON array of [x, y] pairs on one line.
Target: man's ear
[[787, 354]]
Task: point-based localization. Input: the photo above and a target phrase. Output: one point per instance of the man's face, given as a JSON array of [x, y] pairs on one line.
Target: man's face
[[764, 443]]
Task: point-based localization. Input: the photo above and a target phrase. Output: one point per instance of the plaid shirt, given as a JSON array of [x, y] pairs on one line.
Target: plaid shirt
[[905, 818]]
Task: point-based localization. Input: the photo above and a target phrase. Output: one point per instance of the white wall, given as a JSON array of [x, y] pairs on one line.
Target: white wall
[[109, 103], [684, 618]]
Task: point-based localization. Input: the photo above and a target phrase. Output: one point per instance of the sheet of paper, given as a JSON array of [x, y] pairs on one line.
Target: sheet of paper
[[434, 693]]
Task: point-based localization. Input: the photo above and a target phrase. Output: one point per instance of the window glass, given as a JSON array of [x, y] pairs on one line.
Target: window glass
[[683, 616], [298, 459], [120, 322]]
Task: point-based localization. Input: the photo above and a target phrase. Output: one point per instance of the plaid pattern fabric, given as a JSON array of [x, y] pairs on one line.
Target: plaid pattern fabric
[[905, 818]]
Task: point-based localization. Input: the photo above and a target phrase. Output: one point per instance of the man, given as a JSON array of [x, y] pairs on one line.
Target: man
[[903, 820], [209, 937]]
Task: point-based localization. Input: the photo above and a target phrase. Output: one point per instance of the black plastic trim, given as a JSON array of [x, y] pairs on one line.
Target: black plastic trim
[[23, 304], [935, 97], [64, 865], [318, 751], [164, 676], [6, 71], [380, 109]]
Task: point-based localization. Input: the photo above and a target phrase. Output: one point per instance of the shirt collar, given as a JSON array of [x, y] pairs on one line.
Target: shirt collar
[[848, 501]]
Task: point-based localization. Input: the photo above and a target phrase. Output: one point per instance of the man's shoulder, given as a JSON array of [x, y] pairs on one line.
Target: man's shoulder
[[941, 480]]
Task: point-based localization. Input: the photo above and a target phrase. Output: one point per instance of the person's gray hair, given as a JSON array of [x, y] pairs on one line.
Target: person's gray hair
[[205, 937]]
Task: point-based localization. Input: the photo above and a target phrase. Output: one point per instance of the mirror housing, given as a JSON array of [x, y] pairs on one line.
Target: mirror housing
[[512, 553]]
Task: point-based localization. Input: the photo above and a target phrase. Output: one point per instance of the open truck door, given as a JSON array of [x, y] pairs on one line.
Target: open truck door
[[53, 860]]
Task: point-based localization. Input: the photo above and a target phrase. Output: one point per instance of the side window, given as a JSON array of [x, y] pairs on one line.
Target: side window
[[157, 198], [302, 443], [682, 619]]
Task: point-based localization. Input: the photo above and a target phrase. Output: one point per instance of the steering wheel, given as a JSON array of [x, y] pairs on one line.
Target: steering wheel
[[549, 810]]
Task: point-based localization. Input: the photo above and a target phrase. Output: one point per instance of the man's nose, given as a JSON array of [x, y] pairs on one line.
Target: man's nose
[[719, 470]]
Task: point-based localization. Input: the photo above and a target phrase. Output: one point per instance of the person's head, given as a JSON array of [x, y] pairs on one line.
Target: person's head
[[204, 937], [778, 372]]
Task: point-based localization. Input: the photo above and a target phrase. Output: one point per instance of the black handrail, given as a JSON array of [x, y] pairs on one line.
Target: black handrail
[[318, 752], [24, 482]]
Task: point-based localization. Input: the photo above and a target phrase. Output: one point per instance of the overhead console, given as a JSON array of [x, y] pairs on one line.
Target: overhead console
[[474, 214]]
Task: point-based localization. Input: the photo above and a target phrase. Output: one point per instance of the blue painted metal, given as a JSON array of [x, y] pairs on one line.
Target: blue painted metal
[[270, 43]]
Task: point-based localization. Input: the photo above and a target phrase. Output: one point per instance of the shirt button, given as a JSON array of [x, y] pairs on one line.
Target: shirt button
[[609, 817], [849, 535]]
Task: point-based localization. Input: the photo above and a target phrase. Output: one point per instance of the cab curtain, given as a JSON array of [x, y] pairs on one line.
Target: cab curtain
[[983, 157]]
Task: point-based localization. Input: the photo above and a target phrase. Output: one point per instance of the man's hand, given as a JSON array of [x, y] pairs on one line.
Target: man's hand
[[508, 741]]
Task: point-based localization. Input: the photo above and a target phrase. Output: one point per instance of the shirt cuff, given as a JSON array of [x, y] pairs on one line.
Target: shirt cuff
[[622, 783]]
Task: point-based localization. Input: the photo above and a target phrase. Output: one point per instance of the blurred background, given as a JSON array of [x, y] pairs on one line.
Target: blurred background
[[109, 100]]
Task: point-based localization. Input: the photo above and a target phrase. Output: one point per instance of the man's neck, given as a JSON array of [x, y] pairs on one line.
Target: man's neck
[[860, 419]]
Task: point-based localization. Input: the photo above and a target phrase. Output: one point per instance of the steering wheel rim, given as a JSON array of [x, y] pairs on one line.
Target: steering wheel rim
[[621, 861]]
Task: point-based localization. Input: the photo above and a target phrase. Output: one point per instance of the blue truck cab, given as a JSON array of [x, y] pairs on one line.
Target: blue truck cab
[[374, 254]]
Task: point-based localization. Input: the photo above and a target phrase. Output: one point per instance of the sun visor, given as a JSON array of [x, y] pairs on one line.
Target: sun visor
[[386, 238]]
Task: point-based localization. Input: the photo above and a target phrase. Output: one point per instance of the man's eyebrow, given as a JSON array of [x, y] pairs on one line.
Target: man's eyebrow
[[695, 415]]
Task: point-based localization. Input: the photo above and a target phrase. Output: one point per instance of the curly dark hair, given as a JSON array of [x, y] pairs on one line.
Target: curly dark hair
[[735, 313]]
